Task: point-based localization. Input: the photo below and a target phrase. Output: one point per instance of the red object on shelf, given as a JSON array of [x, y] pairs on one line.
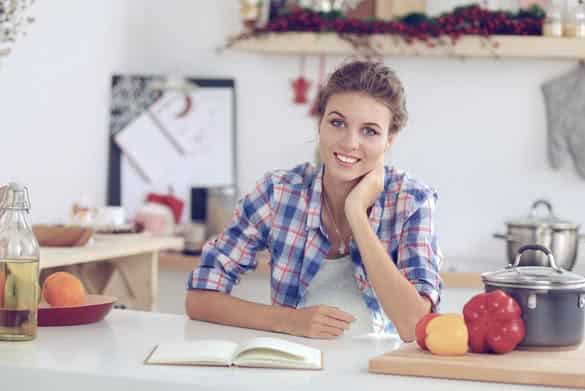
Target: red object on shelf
[[95, 309]]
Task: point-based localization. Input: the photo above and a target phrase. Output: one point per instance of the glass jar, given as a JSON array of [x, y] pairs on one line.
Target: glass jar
[[220, 206], [553, 23], [19, 266], [250, 12], [575, 26]]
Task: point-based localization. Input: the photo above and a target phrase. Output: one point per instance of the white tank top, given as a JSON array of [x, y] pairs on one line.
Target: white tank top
[[336, 286]]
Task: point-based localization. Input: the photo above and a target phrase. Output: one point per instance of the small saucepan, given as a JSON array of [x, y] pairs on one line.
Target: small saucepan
[[560, 236], [552, 299]]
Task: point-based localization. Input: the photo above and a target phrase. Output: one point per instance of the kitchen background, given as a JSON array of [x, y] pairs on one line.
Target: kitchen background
[[477, 128]]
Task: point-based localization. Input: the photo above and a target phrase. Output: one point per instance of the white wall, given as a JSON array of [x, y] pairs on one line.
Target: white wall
[[477, 130]]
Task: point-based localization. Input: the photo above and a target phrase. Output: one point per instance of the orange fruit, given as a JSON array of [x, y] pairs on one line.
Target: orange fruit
[[62, 289]]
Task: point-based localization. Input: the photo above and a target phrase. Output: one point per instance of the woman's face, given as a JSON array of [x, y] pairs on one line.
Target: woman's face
[[353, 135]]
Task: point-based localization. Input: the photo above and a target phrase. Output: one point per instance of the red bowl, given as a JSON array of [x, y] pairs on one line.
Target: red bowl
[[96, 308]]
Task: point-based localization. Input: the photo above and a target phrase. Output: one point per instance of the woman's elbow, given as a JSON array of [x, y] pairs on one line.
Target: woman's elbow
[[407, 329], [408, 334], [193, 304]]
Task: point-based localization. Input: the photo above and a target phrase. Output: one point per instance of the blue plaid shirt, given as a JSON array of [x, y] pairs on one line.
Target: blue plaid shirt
[[283, 215]]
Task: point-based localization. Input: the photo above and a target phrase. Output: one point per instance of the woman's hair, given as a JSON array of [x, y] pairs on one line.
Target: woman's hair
[[372, 78]]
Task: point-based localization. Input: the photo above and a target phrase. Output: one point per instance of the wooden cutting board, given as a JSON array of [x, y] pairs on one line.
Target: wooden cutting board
[[552, 367]]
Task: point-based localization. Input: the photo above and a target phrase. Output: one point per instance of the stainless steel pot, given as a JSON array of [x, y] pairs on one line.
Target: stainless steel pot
[[560, 236], [552, 299]]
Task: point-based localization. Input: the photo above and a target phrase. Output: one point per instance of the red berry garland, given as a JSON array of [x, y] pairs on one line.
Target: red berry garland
[[467, 20]]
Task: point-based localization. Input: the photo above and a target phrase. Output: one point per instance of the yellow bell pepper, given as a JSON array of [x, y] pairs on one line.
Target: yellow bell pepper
[[447, 335]]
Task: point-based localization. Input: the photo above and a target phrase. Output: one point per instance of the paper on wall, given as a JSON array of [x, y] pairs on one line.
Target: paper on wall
[[186, 119], [148, 150]]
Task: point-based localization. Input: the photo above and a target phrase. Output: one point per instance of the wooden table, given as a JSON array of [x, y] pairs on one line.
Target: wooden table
[[124, 266]]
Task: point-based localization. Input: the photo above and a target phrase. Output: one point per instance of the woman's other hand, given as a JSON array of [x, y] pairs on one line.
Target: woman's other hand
[[319, 321]]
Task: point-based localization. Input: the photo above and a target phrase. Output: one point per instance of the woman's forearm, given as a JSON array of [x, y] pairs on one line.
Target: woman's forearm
[[222, 308], [398, 297]]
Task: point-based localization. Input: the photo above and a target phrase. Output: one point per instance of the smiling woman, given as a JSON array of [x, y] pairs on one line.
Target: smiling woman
[[352, 242]]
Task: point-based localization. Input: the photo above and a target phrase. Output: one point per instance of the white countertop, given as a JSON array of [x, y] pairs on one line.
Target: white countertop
[[109, 355]]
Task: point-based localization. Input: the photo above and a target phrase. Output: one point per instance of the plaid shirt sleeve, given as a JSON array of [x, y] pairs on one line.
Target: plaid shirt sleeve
[[233, 252], [419, 256]]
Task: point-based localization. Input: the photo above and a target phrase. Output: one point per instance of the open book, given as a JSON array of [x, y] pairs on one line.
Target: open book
[[257, 352]]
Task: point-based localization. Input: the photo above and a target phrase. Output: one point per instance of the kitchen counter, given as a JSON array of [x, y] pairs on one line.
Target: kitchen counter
[[109, 355]]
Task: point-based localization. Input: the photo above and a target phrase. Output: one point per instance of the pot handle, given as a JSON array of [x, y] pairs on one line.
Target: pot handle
[[536, 247], [510, 238]]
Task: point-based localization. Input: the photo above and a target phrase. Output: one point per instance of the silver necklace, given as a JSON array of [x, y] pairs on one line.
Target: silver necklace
[[341, 248]]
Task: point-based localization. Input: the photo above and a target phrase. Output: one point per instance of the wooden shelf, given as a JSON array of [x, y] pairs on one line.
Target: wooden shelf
[[508, 46]]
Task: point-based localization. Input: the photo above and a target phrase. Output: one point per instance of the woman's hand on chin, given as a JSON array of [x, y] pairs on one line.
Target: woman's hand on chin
[[365, 193]]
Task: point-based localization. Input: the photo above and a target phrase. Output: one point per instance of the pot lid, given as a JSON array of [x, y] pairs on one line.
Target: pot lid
[[534, 277], [534, 220]]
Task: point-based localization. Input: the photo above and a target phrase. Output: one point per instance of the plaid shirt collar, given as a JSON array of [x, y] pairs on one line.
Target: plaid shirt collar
[[314, 213]]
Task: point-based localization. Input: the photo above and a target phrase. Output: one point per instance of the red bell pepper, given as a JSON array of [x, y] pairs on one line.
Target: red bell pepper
[[494, 322]]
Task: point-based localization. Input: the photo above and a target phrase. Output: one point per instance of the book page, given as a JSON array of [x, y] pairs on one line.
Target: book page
[[204, 352], [275, 352]]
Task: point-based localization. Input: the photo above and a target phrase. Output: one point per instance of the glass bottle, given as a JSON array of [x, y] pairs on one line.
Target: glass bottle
[[575, 26], [19, 266], [553, 23]]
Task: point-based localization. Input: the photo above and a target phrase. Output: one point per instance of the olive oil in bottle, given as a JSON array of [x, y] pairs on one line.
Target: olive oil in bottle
[[19, 293], [19, 267]]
